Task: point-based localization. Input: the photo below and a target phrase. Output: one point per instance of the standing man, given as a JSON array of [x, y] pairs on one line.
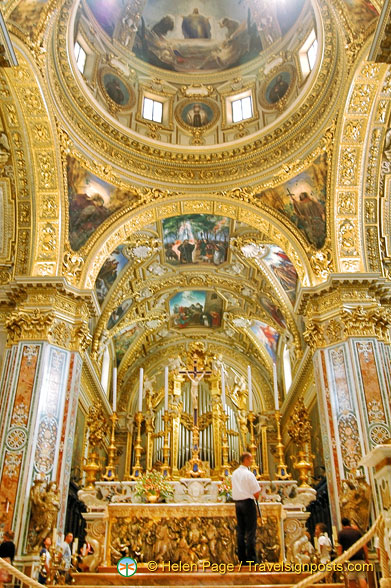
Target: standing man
[[67, 556], [245, 490], [346, 538]]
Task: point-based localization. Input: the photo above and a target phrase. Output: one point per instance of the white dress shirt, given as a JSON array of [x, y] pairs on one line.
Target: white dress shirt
[[244, 484]]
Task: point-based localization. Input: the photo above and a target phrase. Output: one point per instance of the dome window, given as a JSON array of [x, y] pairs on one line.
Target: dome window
[[242, 109], [80, 57], [152, 110], [308, 54]]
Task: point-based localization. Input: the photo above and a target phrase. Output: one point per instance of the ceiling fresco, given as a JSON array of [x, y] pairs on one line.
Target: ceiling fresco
[[91, 202], [282, 268], [196, 35], [196, 239], [194, 308], [118, 313], [267, 336], [109, 272], [124, 339], [303, 200]]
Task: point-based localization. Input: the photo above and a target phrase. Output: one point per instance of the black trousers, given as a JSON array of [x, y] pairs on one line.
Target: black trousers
[[246, 516]]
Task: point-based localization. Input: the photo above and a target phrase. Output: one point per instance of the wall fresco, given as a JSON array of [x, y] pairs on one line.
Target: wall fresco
[[267, 336]]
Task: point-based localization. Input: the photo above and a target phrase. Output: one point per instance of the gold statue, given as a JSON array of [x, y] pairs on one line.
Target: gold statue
[[354, 502], [45, 504]]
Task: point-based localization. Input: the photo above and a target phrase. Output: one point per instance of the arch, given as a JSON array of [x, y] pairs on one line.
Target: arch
[[355, 241], [38, 187], [123, 224]]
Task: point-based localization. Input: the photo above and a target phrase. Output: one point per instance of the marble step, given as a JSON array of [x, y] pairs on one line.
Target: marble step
[[239, 579]]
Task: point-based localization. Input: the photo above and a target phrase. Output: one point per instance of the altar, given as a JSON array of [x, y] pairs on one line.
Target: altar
[[190, 531]]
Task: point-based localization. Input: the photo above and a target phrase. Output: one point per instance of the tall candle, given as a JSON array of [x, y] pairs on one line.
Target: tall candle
[[250, 389], [222, 386], [115, 389], [165, 388], [276, 399], [140, 390], [75, 545], [54, 537]]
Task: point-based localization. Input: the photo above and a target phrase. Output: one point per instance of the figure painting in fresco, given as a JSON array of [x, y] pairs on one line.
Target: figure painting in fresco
[[273, 310], [267, 336], [278, 87], [197, 116], [124, 340], [196, 239], [118, 313], [194, 309], [196, 36], [91, 202], [109, 272], [28, 13], [303, 200], [196, 26], [196, 41], [283, 269]]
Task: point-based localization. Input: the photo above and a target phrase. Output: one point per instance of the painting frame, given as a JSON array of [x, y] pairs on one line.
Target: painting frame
[[284, 76], [108, 75], [208, 107]]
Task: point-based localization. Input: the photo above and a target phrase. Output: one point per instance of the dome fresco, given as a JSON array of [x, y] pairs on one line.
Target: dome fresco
[[195, 35]]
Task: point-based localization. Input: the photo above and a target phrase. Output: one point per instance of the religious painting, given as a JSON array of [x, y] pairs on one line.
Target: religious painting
[[124, 340], [91, 202], [28, 14], [109, 272], [115, 89], [210, 36], [361, 13], [272, 309], [303, 201], [118, 313], [193, 115], [277, 85], [200, 239], [267, 336], [193, 308], [282, 268]]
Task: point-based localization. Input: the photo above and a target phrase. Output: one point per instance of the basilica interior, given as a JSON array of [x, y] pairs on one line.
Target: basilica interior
[[195, 261]]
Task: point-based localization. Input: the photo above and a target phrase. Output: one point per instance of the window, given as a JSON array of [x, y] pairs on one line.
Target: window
[[80, 56], [152, 110], [311, 54], [287, 369], [242, 109], [308, 53]]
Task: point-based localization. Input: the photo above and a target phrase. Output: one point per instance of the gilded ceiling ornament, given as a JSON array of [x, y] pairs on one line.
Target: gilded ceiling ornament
[[72, 266], [321, 263], [29, 325]]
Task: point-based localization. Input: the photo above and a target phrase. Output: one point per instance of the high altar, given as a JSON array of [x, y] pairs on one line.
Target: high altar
[[192, 432]]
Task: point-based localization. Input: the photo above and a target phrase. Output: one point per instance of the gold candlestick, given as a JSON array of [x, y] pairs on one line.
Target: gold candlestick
[[253, 447], [110, 472], [137, 469], [225, 468], [91, 468], [165, 469], [282, 469]]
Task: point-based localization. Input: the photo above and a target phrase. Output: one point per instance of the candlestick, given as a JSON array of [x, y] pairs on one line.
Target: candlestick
[[165, 388], [275, 385], [250, 389], [115, 389], [282, 470], [140, 390], [223, 386], [75, 545]]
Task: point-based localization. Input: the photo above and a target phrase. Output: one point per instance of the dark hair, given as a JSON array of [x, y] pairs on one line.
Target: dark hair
[[244, 455], [322, 527], [345, 522]]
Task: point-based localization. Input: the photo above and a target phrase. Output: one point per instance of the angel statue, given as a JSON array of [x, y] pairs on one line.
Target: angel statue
[[45, 504]]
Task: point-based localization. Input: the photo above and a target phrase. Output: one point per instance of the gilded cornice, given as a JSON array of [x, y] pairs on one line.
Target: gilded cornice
[[344, 308], [51, 312], [130, 155]]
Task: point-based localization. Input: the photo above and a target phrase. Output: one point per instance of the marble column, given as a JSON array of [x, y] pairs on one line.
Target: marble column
[[39, 389], [347, 328]]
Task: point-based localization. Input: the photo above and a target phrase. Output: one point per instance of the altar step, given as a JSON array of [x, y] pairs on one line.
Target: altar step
[[239, 579]]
